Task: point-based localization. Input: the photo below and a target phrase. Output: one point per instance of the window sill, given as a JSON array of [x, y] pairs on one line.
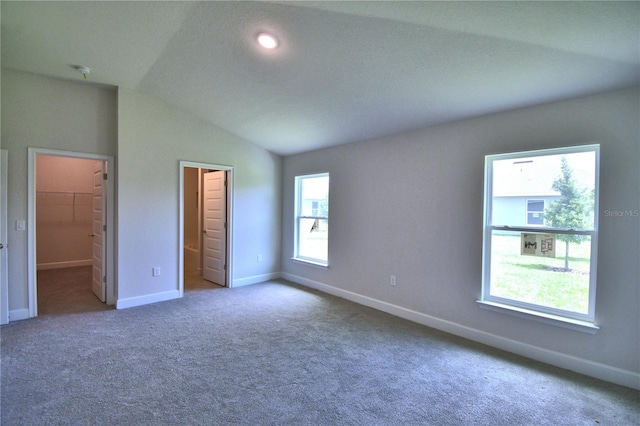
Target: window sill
[[558, 321], [311, 262]]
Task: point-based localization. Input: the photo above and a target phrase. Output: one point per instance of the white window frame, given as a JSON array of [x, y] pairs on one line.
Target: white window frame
[[568, 319], [299, 217], [544, 205]]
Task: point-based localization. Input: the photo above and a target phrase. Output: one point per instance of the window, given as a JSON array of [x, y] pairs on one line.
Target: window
[[535, 212], [540, 234], [312, 219]]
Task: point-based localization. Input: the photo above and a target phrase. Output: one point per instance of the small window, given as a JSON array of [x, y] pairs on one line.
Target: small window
[[540, 232], [535, 212], [312, 219]]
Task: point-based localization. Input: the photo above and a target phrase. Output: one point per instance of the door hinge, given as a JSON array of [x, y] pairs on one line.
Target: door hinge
[[225, 182], [104, 176], [104, 228], [225, 267], [225, 225], [104, 279]]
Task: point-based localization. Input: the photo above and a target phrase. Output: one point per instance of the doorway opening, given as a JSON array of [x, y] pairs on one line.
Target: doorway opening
[[205, 226], [70, 232]]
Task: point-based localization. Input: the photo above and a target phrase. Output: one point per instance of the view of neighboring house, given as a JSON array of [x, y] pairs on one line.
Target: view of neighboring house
[[523, 187]]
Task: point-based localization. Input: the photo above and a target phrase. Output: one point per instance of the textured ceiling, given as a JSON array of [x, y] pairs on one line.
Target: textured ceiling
[[345, 71]]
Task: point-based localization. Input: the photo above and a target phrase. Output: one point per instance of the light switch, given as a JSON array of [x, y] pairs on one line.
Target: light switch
[[20, 224]]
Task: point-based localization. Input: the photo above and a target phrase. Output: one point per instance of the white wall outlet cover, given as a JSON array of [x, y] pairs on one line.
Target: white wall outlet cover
[[20, 225]]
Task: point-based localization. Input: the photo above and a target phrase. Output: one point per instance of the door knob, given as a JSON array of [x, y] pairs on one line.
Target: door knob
[[92, 234]]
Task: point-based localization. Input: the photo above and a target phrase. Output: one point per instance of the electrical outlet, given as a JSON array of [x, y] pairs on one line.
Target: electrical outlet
[[156, 271], [392, 281], [20, 225]]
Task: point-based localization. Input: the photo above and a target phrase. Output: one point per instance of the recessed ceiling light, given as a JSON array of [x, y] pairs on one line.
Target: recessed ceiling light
[[267, 41]]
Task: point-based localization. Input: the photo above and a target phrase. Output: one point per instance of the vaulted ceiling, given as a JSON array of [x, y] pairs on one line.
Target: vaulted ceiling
[[343, 71]]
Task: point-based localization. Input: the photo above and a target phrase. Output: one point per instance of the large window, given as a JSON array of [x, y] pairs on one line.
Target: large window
[[312, 219], [540, 233]]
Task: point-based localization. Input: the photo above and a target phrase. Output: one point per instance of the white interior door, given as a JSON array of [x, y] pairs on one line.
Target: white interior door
[[4, 276], [98, 282], [214, 227]]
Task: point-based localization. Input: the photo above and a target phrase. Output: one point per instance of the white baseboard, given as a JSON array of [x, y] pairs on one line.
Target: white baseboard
[[67, 264], [579, 365], [131, 302], [18, 314], [255, 279]]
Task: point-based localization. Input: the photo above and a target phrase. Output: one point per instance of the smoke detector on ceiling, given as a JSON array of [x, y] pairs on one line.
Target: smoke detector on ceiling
[[85, 71]]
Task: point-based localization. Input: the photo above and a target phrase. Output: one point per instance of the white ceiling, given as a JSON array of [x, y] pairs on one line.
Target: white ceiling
[[344, 72]]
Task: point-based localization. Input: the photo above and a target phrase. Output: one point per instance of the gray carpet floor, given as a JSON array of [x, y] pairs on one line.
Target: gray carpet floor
[[278, 354]]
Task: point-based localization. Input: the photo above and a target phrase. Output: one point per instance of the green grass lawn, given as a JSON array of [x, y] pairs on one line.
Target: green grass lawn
[[313, 242], [540, 280]]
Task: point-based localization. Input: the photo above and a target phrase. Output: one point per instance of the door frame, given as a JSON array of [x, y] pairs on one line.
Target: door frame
[[230, 191], [32, 153], [4, 240]]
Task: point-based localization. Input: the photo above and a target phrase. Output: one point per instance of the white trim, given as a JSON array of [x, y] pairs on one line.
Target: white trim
[[31, 221], [131, 302], [311, 262], [556, 320], [67, 264], [579, 365], [298, 217], [255, 279], [19, 314], [32, 301], [230, 197], [4, 238]]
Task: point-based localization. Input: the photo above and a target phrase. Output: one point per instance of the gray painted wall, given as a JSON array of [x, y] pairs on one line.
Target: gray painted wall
[[54, 114], [148, 139], [152, 139], [411, 205]]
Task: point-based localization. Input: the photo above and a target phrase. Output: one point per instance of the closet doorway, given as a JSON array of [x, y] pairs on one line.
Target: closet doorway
[[205, 226], [70, 240]]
